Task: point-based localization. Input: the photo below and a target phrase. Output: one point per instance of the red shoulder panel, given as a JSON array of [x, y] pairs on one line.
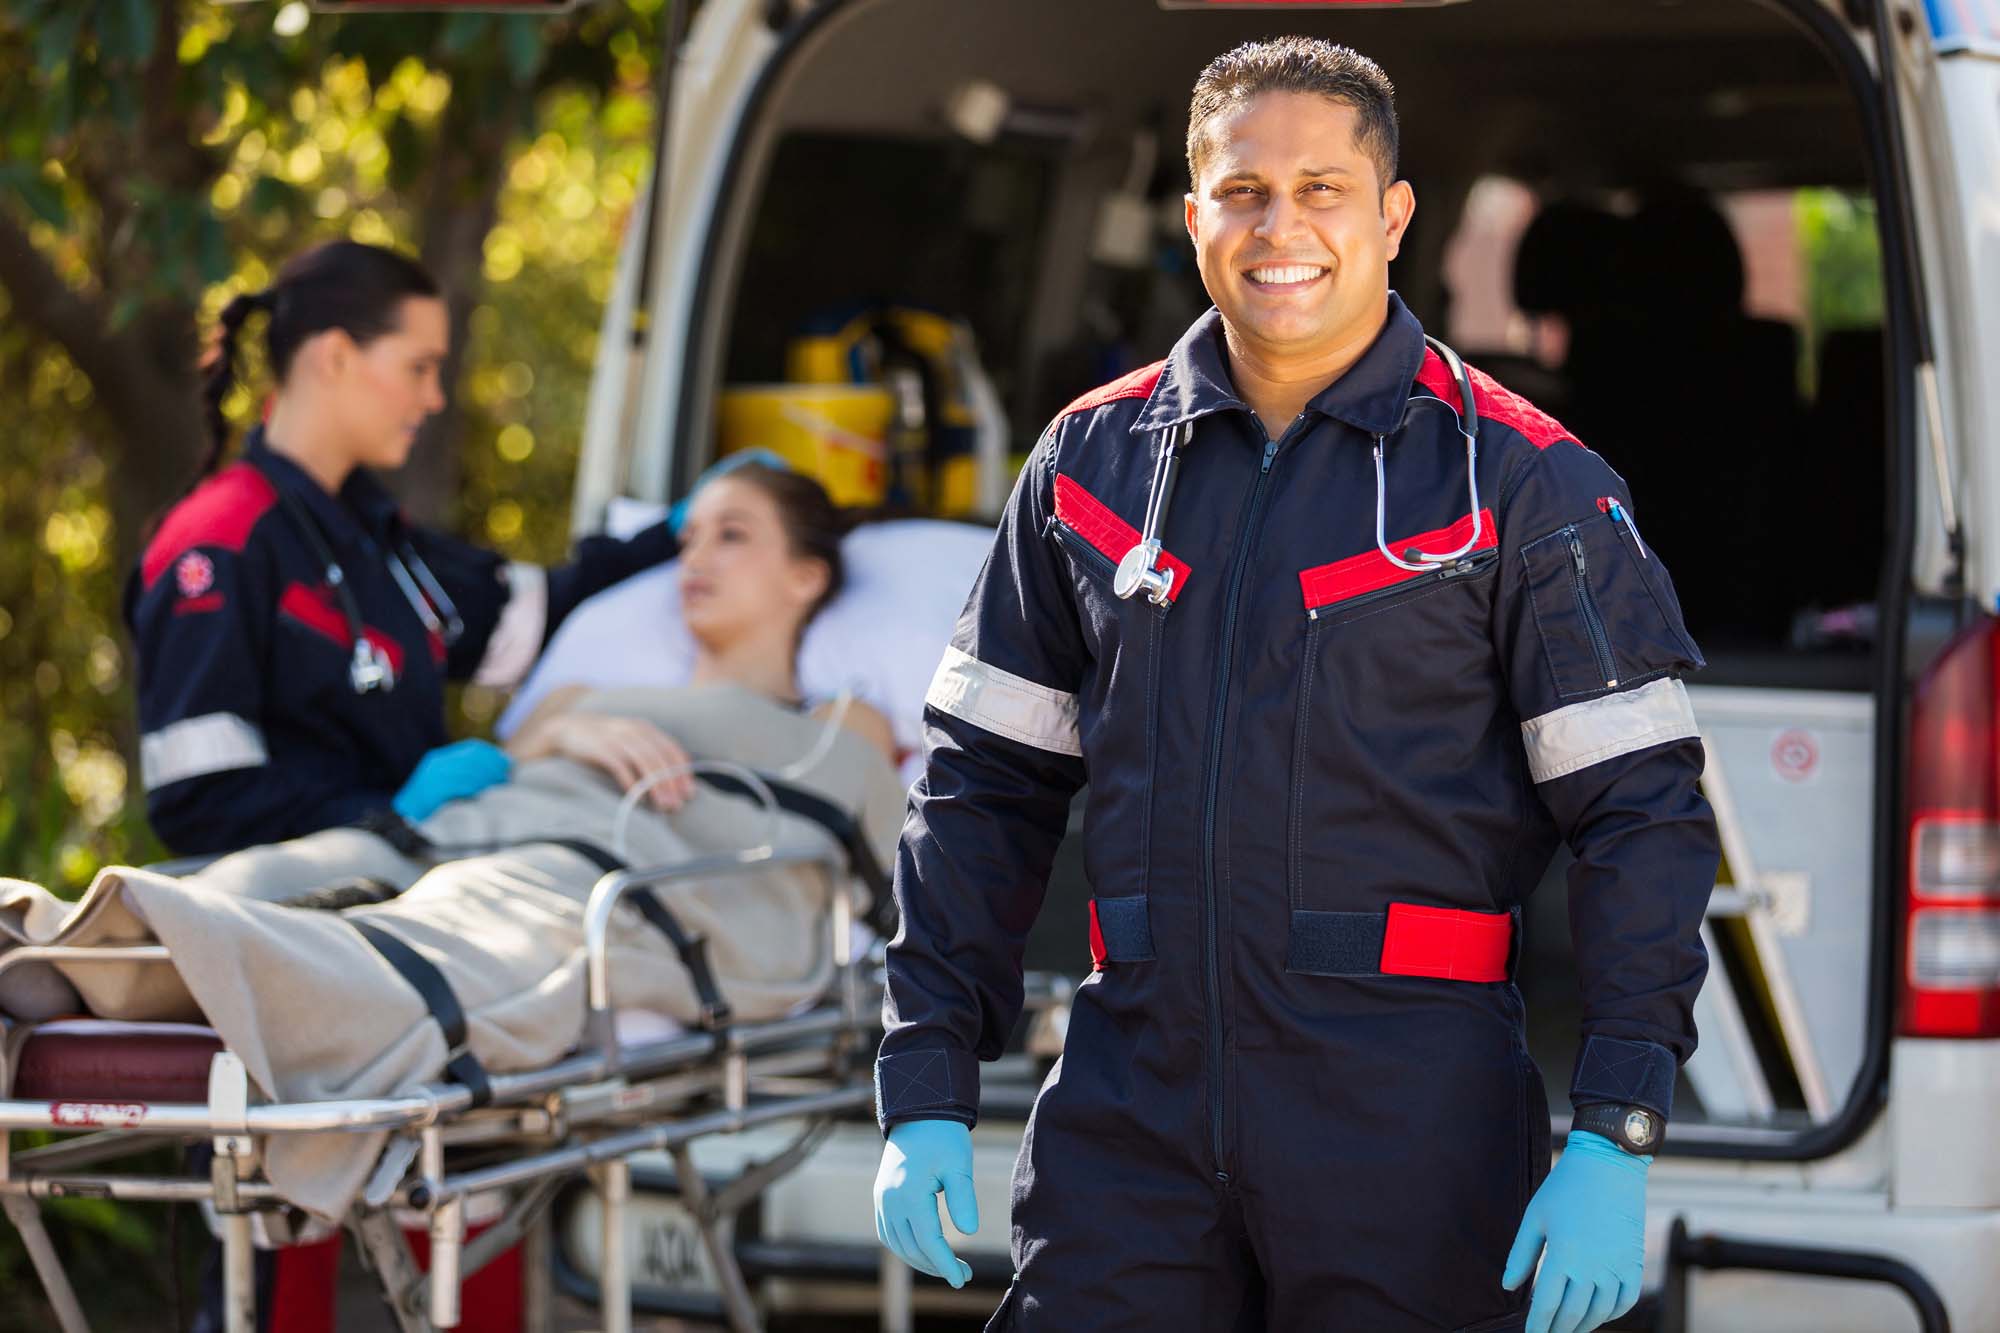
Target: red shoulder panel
[[220, 512], [1138, 384], [1494, 401]]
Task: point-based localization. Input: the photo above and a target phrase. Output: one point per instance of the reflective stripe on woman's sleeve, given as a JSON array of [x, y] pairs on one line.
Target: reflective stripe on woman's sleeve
[[194, 747]]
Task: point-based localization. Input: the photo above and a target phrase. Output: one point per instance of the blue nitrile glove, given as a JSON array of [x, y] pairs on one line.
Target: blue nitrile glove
[[921, 1158], [451, 773], [1592, 1212], [728, 463]]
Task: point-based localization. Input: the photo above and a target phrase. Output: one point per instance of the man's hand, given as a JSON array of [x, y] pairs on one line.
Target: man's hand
[[921, 1158], [1591, 1211]]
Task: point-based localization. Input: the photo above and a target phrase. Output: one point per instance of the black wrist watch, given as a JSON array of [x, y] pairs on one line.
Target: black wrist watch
[[1633, 1128]]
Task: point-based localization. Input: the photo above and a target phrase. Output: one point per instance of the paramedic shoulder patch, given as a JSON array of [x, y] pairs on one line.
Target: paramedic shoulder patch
[[194, 574], [194, 580]]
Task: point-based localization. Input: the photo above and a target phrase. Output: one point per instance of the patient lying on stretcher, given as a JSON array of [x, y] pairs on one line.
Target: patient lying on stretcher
[[491, 889]]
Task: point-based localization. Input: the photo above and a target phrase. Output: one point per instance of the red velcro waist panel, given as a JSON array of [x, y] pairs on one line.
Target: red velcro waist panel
[[1444, 942]]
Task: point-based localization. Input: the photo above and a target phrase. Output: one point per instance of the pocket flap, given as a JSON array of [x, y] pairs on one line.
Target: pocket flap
[[1093, 520], [1371, 571]]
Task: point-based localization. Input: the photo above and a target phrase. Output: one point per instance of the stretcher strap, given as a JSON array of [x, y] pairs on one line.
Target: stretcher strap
[[438, 996], [846, 830], [401, 835], [693, 949]]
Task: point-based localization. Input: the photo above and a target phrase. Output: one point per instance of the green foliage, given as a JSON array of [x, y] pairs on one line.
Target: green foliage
[[162, 155], [65, 713], [1840, 251]]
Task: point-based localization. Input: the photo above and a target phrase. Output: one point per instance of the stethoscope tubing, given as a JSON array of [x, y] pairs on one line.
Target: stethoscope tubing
[[419, 585], [1139, 571]]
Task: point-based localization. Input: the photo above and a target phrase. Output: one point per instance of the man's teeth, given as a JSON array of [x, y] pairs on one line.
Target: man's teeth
[[1287, 273]]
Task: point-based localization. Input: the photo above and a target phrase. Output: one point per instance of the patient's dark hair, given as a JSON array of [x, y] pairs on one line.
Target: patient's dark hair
[[358, 289], [813, 524]]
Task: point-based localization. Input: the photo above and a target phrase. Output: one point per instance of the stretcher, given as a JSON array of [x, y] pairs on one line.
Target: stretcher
[[112, 1091]]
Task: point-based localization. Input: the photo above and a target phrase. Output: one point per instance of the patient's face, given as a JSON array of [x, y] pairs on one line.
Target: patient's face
[[739, 577]]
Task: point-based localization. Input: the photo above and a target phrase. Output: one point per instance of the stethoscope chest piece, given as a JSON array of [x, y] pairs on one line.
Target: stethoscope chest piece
[[1139, 572], [369, 670]]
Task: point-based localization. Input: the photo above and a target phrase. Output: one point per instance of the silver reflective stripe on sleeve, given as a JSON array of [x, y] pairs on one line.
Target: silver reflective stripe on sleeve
[[194, 747], [517, 638], [1004, 703], [1598, 729]]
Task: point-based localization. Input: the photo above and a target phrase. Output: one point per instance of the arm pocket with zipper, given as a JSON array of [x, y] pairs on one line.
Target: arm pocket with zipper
[[1601, 625]]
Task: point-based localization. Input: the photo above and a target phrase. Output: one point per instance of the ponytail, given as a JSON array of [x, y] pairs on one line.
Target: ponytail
[[343, 285], [219, 373]]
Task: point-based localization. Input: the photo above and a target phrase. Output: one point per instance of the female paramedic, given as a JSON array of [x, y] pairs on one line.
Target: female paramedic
[[1344, 637], [293, 631]]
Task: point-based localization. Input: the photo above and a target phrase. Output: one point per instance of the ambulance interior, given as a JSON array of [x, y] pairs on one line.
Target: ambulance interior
[[1652, 217]]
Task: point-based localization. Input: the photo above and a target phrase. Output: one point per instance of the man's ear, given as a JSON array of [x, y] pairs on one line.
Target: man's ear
[[1399, 205], [1193, 220]]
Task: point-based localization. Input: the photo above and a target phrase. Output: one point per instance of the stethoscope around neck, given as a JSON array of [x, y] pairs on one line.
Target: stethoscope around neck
[[1140, 572], [368, 669]]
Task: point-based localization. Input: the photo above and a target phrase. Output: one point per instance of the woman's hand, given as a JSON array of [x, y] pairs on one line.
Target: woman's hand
[[626, 748], [451, 773]]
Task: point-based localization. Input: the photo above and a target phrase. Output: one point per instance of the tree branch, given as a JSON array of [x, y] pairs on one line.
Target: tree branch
[[42, 300]]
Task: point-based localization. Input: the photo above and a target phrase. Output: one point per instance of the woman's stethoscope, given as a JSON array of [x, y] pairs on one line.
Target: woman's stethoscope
[[1139, 571], [369, 669]]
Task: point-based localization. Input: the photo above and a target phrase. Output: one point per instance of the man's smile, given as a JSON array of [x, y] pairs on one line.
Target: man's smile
[[1283, 279]]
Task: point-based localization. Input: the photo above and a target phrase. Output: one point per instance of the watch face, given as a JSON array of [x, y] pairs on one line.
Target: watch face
[[1641, 1127]]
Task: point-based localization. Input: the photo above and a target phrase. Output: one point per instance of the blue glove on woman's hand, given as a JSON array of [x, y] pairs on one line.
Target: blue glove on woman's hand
[[921, 1158], [451, 773], [728, 463], [1592, 1213]]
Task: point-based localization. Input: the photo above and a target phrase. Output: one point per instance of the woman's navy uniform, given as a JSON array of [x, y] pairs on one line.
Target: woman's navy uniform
[[254, 728], [1295, 1092]]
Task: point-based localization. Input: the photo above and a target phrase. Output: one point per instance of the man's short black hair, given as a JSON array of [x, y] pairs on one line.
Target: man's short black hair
[[1298, 65]]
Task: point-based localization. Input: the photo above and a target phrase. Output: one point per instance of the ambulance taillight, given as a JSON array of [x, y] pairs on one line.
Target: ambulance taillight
[[1951, 909]]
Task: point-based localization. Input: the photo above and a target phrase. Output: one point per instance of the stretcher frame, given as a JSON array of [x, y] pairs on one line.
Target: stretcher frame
[[589, 1112]]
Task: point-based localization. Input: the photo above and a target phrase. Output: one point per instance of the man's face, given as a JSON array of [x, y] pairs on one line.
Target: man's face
[[1292, 231]]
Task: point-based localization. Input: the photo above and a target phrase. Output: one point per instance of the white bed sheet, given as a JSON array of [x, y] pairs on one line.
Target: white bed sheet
[[882, 638]]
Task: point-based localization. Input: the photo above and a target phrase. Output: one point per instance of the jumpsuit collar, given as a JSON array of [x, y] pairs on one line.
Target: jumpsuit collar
[[1370, 395], [363, 501]]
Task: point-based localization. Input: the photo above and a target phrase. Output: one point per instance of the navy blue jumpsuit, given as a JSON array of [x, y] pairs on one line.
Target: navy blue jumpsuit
[[252, 730], [1295, 1094]]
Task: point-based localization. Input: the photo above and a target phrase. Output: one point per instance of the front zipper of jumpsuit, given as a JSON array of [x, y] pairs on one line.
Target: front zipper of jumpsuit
[[1247, 540]]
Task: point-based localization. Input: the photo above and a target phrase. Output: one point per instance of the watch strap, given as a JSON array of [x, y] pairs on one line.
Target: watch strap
[[1634, 1128]]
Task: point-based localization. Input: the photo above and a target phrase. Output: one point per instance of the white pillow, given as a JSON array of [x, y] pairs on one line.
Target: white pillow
[[882, 637]]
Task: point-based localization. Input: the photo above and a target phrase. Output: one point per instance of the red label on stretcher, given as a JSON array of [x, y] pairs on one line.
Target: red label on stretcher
[[116, 1115]]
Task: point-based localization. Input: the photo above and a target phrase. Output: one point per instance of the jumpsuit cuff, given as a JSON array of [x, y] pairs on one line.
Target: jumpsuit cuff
[[932, 1083], [1613, 1069]]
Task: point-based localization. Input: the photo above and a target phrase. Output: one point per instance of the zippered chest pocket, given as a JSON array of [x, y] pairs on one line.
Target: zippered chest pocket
[[1600, 620]]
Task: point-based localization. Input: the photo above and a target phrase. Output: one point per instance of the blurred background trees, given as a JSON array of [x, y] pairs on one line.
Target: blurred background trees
[[158, 156]]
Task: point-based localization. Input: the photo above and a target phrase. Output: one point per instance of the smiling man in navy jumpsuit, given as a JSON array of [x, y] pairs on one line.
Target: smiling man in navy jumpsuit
[[1295, 1094]]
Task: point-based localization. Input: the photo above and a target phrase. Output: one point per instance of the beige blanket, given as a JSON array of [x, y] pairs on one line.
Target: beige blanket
[[315, 1013]]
